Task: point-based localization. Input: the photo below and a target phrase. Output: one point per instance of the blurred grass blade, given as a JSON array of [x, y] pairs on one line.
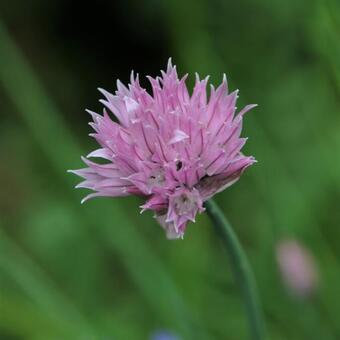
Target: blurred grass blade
[[41, 289], [34, 106]]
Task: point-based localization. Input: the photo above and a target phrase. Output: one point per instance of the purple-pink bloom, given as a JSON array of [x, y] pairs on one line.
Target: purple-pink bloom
[[163, 335], [298, 268], [174, 149]]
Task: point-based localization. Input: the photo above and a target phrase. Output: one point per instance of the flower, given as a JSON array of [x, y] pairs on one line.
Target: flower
[[297, 267], [163, 335], [174, 149]]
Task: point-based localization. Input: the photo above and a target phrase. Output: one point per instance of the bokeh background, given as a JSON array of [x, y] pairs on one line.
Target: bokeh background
[[102, 270]]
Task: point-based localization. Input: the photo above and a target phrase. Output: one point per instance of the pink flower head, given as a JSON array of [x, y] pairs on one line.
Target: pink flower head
[[298, 268], [175, 149]]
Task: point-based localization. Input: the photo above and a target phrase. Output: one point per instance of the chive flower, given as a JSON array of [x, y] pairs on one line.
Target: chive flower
[[173, 148]]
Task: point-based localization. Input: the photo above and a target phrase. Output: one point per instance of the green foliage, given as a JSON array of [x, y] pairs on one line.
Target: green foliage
[[102, 271]]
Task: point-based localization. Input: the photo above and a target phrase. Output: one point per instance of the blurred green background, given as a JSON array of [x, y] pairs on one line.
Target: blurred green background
[[102, 270]]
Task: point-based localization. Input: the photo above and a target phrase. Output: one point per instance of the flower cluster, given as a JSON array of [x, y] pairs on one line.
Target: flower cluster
[[175, 149]]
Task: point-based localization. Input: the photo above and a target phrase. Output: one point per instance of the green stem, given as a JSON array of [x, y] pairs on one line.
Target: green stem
[[241, 269]]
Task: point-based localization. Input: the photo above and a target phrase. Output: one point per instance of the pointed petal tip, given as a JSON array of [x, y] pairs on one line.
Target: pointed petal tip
[[74, 172], [104, 92], [178, 136], [170, 66], [103, 101], [91, 154], [86, 198], [143, 209], [120, 86], [85, 160]]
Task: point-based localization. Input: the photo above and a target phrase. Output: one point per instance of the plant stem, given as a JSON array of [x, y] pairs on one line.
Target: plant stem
[[240, 266]]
